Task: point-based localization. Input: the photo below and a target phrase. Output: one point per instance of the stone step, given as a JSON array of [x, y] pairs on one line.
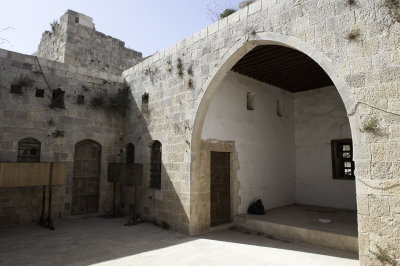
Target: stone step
[[326, 239]]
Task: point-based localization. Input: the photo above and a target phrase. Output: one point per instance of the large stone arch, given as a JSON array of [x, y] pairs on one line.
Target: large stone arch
[[364, 71], [239, 50], [242, 48]]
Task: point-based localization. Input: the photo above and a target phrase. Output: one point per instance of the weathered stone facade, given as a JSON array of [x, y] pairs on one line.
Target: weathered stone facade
[[364, 69], [76, 42], [27, 116]]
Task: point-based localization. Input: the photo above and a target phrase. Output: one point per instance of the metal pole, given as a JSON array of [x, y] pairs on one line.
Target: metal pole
[[41, 221], [49, 222], [115, 190], [134, 204]]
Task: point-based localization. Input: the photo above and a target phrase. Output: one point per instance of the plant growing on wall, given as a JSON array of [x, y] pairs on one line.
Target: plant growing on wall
[[118, 102], [190, 70], [393, 7], [216, 12], [51, 122], [384, 257], [54, 26], [370, 125], [24, 80], [145, 106], [57, 134], [353, 34], [169, 66], [190, 83], [227, 12], [351, 2], [2, 39], [179, 67], [20, 82]]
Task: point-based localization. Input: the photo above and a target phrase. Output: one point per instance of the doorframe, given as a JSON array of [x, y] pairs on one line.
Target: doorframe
[[212, 145], [91, 214]]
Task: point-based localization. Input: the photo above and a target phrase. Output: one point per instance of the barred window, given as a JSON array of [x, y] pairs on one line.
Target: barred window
[[342, 159], [155, 169], [29, 150]]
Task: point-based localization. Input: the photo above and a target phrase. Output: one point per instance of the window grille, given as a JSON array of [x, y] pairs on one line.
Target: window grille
[[29, 150], [342, 159]]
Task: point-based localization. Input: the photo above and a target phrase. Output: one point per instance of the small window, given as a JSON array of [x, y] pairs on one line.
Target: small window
[[80, 99], [155, 168], [16, 89], [342, 159], [145, 98], [130, 154], [251, 98], [76, 19], [29, 150], [39, 93]]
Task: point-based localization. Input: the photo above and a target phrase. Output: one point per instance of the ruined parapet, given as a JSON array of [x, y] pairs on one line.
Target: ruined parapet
[[75, 41]]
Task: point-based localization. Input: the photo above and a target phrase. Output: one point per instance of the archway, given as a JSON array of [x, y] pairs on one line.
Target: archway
[[246, 61]]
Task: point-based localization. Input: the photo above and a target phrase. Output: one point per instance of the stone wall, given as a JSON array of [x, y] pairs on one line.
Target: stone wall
[[77, 42], [25, 115], [363, 68]]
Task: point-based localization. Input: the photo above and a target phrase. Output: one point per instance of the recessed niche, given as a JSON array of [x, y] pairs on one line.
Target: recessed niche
[[279, 109], [251, 98]]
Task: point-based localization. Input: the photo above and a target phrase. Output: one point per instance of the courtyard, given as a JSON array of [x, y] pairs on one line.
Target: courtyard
[[98, 241]]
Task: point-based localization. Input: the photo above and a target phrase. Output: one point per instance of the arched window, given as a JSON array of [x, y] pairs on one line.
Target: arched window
[[130, 153], [155, 170], [29, 150]]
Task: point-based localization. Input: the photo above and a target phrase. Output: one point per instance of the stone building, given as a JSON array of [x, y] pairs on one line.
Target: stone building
[[292, 102]]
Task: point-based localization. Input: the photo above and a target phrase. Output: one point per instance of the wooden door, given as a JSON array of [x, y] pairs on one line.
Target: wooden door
[[85, 194], [220, 188]]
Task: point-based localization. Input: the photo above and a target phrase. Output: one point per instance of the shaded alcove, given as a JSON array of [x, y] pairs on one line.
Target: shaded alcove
[[283, 143]]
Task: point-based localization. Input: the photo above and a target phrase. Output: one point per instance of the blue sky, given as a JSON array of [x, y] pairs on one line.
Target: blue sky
[[147, 26]]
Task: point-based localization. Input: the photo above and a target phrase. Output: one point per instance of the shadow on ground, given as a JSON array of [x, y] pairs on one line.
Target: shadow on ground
[[107, 241]]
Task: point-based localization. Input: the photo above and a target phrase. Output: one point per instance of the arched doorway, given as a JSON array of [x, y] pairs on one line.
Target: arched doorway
[[86, 181], [261, 106]]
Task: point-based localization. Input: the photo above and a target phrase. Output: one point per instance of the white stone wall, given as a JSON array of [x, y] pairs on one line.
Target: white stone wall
[[282, 160], [320, 117], [264, 141]]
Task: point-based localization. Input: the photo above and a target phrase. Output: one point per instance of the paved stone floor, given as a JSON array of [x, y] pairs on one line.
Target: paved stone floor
[[98, 241]]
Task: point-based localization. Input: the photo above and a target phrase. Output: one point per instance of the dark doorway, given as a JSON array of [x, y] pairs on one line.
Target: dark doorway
[[220, 188], [85, 195]]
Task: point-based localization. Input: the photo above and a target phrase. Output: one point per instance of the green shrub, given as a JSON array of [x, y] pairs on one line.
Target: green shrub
[[227, 12]]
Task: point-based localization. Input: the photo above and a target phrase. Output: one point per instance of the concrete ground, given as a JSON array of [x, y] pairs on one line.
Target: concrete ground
[[342, 221], [98, 241]]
